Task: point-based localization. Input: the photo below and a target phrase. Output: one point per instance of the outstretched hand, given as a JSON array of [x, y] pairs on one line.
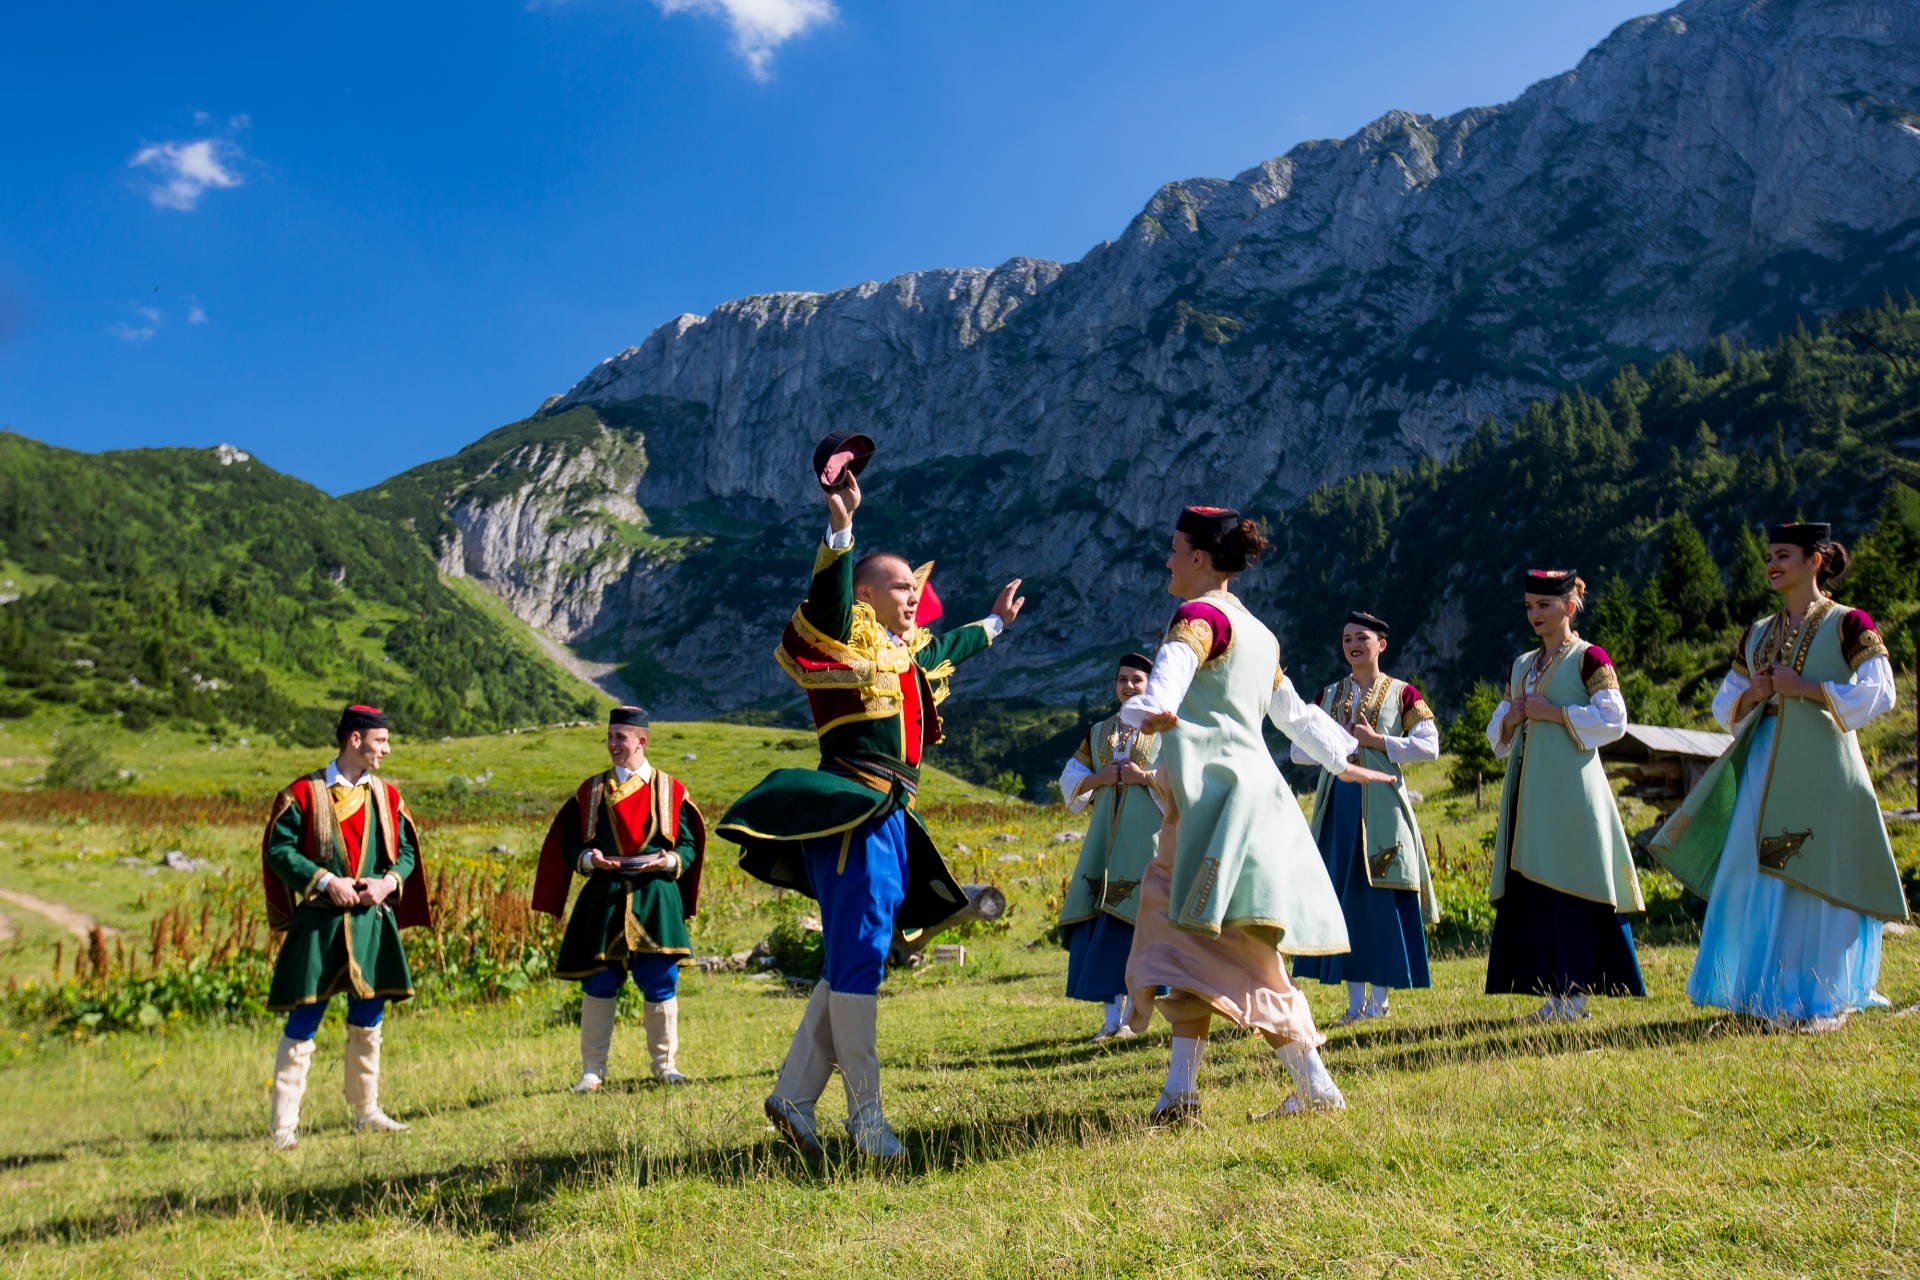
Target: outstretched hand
[[1354, 773], [842, 501], [1006, 606]]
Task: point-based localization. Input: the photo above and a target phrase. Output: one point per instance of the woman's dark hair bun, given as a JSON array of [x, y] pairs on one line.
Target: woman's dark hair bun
[[1235, 549], [1834, 559]]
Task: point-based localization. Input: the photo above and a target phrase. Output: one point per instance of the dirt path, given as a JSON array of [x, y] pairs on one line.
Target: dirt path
[[78, 923]]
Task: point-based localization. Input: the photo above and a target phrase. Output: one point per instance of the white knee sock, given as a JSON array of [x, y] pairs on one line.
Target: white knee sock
[[1356, 998], [1115, 1008], [1377, 997], [1573, 1006], [1183, 1070], [1310, 1078]]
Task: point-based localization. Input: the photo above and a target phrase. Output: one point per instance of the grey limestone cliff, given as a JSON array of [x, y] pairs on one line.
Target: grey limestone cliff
[[1352, 305]]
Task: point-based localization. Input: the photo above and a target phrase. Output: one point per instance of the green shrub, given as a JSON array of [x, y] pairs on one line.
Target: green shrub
[[82, 761]]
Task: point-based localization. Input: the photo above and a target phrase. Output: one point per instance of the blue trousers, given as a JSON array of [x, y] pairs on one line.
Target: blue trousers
[[305, 1020], [657, 976], [860, 880]]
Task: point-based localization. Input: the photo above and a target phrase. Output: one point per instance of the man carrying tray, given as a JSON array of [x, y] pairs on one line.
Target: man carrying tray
[[845, 833], [637, 839]]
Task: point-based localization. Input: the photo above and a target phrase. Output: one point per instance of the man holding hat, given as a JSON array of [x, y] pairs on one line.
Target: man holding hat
[[637, 839], [1109, 772], [341, 867], [845, 833]]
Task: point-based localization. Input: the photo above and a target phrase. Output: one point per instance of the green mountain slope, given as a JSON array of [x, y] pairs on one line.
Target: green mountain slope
[[168, 583], [1657, 489]]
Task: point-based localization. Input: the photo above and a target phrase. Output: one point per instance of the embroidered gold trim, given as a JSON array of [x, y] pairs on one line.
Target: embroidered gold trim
[[1777, 851], [1196, 634], [1415, 714], [827, 556], [1869, 647], [1602, 678]]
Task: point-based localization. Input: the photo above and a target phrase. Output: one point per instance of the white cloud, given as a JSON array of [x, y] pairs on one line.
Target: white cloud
[[194, 313], [187, 169], [130, 332], [759, 26]]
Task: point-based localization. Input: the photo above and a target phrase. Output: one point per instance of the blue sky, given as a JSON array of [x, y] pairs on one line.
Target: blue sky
[[353, 237]]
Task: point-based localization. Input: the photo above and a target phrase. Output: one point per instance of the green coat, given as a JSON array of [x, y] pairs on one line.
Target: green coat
[[875, 704], [328, 950], [1820, 827], [1244, 857], [618, 916], [1559, 824], [1123, 828]]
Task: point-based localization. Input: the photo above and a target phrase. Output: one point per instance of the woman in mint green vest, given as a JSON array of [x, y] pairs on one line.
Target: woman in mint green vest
[[1367, 833], [1236, 881], [1563, 879], [1783, 834], [1106, 779]]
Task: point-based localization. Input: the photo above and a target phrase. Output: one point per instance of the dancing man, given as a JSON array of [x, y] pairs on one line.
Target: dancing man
[[1562, 880], [1236, 882], [342, 871], [1783, 834], [845, 833], [638, 840], [1109, 771], [1368, 835]]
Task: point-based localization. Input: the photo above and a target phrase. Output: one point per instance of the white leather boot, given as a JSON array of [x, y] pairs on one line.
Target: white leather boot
[[596, 1040], [363, 1082], [856, 1033], [804, 1075], [290, 1067], [663, 1039]]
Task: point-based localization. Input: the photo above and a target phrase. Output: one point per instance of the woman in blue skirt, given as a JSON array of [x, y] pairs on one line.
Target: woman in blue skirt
[[1367, 833]]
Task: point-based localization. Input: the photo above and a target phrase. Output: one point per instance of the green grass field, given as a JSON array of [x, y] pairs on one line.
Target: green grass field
[[1653, 1139]]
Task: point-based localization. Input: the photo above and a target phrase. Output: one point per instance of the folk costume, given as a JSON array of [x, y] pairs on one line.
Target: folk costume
[[1563, 879], [1103, 894], [1783, 834], [845, 833], [1371, 844], [625, 921], [1236, 881], [326, 825]]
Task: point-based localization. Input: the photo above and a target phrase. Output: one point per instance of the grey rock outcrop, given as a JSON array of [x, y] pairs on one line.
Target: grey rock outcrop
[[1352, 305]]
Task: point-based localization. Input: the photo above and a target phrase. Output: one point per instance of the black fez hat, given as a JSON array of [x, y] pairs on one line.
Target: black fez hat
[[1209, 523], [358, 719], [1361, 618], [1807, 537], [1138, 661], [860, 446], [1550, 582], [635, 716]]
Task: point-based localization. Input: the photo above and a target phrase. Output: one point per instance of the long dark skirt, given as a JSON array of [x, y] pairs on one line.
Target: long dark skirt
[[1097, 958], [1383, 925], [1549, 943]]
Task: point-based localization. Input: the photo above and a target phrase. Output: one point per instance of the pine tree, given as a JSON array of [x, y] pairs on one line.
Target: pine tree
[[1719, 357], [1749, 597], [1689, 580], [1466, 739], [1613, 620]]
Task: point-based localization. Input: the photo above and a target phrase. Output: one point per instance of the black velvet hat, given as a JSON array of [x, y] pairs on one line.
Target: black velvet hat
[[1360, 618], [358, 719], [1807, 537], [860, 446], [634, 716], [1138, 661], [1550, 582], [1208, 523]]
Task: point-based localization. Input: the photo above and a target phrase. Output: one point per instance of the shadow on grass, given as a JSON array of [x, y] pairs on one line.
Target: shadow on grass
[[508, 1197]]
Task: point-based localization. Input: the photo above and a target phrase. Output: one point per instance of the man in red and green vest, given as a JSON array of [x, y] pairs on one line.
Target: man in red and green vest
[[845, 833], [637, 839], [341, 866]]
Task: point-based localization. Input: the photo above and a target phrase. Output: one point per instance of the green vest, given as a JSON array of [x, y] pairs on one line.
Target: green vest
[[1389, 834], [1559, 825], [1245, 857], [1123, 831], [1820, 827]]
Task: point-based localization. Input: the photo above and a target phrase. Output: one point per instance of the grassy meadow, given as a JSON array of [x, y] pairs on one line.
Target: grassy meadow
[[1654, 1139]]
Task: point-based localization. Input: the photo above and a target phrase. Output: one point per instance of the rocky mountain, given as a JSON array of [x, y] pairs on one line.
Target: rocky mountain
[[1354, 305]]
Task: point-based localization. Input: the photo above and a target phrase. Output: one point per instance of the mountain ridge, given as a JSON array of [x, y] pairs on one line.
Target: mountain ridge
[[1347, 308]]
